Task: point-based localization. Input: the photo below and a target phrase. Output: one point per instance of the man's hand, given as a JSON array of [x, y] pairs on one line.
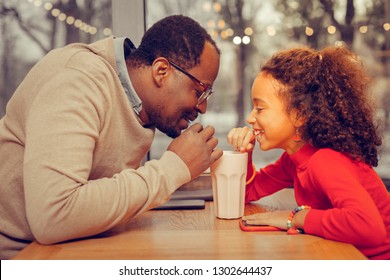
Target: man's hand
[[197, 148]]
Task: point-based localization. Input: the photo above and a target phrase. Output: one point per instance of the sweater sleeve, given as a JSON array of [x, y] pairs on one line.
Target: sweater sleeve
[[354, 218], [62, 201], [270, 179]]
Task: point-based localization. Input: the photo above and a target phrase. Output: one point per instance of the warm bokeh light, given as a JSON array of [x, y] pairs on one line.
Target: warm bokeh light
[[37, 3], [70, 20], [271, 31], [77, 23], [221, 23], [206, 6], [83, 26], [48, 6], [331, 29], [248, 31], [229, 32], [93, 30], [107, 32], [224, 34], [363, 29], [237, 40], [211, 23], [55, 12], [61, 17], [309, 31], [246, 40], [217, 7]]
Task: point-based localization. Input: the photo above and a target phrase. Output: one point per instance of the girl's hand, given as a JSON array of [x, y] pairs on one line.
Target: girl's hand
[[275, 218], [242, 139]]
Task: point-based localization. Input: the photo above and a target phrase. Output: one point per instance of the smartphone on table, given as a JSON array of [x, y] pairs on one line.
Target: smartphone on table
[[246, 227]]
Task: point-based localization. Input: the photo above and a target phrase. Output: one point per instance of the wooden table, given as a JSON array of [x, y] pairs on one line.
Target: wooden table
[[192, 234]]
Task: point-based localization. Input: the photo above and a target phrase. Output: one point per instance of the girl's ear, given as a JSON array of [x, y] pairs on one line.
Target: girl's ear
[[297, 119], [160, 70]]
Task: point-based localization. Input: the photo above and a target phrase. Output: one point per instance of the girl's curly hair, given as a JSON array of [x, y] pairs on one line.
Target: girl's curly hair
[[329, 90]]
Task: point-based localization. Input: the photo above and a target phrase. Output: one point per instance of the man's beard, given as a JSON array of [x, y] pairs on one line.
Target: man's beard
[[170, 130]]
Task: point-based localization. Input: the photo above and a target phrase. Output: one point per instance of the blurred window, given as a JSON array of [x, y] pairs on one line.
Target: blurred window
[[249, 32], [31, 28]]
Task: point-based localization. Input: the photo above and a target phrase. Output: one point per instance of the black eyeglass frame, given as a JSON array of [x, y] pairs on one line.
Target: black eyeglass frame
[[207, 90]]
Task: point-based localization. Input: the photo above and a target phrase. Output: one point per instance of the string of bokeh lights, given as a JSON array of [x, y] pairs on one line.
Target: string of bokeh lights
[[218, 28], [215, 28], [70, 20]]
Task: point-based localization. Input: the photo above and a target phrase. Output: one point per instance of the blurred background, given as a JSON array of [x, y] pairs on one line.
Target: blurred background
[[247, 31]]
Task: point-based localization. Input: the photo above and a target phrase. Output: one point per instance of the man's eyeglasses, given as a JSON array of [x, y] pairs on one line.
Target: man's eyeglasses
[[207, 90]]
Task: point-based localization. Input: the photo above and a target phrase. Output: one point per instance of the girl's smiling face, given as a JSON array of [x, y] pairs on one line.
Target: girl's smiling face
[[269, 118]]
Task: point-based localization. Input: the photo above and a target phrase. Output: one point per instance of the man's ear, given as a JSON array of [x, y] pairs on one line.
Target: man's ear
[[160, 70]]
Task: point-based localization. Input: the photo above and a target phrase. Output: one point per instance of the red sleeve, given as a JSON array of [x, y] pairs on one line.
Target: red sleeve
[[354, 217], [270, 179]]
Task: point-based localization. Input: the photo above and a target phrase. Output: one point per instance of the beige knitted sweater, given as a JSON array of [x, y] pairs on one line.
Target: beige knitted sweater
[[70, 153]]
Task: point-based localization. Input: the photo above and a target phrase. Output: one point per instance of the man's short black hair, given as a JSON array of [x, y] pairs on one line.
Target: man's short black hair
[[178, 38]]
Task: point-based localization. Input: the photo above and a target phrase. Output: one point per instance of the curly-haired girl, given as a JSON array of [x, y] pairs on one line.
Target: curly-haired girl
[[315, 106]]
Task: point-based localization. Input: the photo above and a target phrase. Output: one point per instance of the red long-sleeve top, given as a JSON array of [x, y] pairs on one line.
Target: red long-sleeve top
[[349, 201]]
